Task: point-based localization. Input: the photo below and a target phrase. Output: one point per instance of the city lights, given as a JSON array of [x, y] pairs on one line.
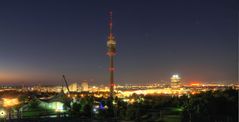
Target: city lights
[[9, 102], [160, 61]]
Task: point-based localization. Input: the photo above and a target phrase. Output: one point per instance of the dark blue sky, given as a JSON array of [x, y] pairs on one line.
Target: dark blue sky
[[41, 40]]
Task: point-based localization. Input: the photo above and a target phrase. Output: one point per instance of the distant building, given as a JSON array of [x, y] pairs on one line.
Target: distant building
[[175, 82], [84, 86], [74, 87]]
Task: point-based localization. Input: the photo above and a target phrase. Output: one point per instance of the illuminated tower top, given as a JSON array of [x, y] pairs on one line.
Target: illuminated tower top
[[111, 39]]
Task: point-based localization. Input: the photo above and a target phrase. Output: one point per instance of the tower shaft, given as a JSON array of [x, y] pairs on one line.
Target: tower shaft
[[111, 43], [111, 76]]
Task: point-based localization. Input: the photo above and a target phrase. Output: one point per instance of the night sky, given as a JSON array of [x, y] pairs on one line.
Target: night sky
[[41, 40]]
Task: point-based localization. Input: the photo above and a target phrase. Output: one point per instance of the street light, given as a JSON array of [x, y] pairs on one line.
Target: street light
[[3, 113]]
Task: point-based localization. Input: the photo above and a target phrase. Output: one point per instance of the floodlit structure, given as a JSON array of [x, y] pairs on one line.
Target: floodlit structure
[[10, 102], [111, 43], [73, 87], [56, 104], [175, 81], [84, 86]]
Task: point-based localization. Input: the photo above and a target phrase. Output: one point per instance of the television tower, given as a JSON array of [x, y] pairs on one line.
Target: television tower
[[111, 43]]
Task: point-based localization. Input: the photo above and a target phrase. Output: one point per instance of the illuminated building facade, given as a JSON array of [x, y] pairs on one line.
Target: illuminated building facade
[[73, 87], [175, 82], [111, 43], [84, 86]]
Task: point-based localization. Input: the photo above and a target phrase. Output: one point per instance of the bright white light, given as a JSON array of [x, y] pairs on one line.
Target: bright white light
[[3, 114], [95, 110], [176, 76]]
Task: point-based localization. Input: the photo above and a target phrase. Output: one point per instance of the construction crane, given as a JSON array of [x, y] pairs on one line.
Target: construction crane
[[66, 83]]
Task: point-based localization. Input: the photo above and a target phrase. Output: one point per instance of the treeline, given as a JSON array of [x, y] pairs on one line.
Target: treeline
[[212, 106]]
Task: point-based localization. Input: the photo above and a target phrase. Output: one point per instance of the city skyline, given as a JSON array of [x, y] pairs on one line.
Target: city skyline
[[40, 41]]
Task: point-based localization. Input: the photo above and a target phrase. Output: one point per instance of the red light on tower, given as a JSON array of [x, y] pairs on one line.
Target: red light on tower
[[112, 84], [111, 69]]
